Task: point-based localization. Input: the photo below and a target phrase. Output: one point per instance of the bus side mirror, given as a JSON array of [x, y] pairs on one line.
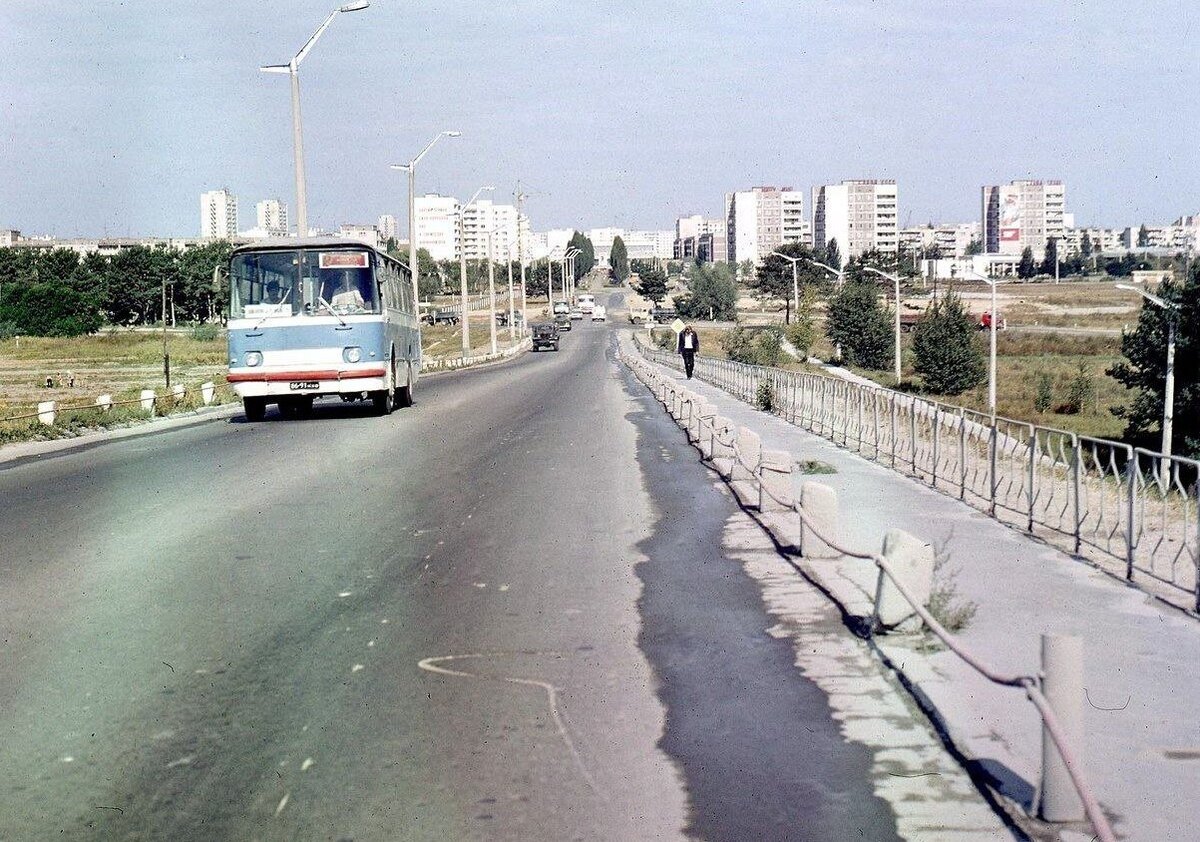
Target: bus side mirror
[[220, 276]]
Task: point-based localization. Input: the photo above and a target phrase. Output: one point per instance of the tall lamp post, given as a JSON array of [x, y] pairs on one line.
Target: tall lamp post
[[571, 255], [462, 271], [491, 291], [795, 279], [992, 320], [411, 169], [292, 68], [895, 279], [1169, 386], [839, 274]]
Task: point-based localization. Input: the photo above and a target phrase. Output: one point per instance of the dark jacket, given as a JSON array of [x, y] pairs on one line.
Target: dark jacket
[[695, 340]]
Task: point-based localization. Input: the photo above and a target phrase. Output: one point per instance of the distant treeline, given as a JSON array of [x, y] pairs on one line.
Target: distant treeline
[[55, 292]]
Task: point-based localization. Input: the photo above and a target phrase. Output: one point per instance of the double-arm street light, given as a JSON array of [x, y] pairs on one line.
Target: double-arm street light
[[411, 169], [839, 274], [462, 271], [1168, 421], [895, 279], [570, 256], [292, 68]]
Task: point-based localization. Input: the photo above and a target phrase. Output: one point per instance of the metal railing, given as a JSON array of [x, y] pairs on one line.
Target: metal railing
[[1133, 511], [682, 405]]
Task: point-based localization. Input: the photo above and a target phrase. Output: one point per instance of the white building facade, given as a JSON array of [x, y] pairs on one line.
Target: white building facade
[[388, 229], [437, 225], [218, 215], [271, 216], [861, 214], [1022, 214], [363, 232], [760, 220]]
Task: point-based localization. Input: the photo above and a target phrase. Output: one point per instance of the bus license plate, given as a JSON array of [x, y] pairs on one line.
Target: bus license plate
[[303, 385]]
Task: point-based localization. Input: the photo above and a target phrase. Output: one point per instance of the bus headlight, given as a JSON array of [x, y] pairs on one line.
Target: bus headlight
[[352, 355], [253, 358]]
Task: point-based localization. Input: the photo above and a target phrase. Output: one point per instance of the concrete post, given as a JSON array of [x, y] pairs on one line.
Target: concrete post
[[912, 561], [820, 505], [46, 411], [177, 392], [749, 455], [1062, 684], [104, 402], [147, 400], [208, 391], [776, 472]]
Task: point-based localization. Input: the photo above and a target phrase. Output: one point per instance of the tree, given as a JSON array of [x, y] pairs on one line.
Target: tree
[[1027, 268], [1143, 240], [802, 333], [945, 348], [618, 259], [833, 255], [974, 247], [1085, 246], [1050, 261], [50, 309], [773, 277], [1145, 364], [652, 285], [860, 325], [711, 295], [586, 259]]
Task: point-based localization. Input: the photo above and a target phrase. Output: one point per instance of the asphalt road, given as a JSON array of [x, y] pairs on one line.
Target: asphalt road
[[502, 613]]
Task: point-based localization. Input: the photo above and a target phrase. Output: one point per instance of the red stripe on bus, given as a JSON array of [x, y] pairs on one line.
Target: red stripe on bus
[[333, 374]]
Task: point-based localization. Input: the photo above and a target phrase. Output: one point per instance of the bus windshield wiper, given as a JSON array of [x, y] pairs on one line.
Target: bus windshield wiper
[[329, 307], [274, 315]]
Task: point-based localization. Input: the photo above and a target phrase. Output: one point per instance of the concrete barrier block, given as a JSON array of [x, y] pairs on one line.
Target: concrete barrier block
[[46, 411], [820, 505], [911, 559], [177, 392], [208, 391], [147, 400], [105, 402], [749, 449], [775, 488]]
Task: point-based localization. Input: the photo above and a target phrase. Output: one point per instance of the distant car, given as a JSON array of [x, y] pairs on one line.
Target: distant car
[[545, 335], [445, 317], [639, 314], [586, 302], [599, 314], [663, 315], [561, 308], [576, 314], [563, 321]]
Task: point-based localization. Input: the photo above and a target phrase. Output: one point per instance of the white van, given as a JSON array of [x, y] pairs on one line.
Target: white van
[[586, 302], [599, 314]]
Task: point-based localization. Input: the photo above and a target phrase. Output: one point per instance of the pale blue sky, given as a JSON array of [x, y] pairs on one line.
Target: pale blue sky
[[117, 115]]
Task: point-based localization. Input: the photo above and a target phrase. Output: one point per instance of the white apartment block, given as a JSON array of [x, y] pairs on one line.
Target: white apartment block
[[542, 244], [602, 241], [364, 232], [437, 225], [648, 245], [218, 215], [271, 216], [861, 214], [760, 220], [1171, 237], [484, 217], [701, 237], [950, 240], [1022, 214], [388, 230], [1102, 239]]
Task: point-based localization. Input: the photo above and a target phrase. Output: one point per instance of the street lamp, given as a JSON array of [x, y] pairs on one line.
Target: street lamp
[[1169, 387], [569, 255], [491, 288], [795, 278], [462, 270], [838, 273], [292, 68], [992, 320], [411, 169], [895, 279]]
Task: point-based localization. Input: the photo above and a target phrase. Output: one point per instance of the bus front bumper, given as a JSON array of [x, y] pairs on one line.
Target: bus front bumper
[[257, 383]]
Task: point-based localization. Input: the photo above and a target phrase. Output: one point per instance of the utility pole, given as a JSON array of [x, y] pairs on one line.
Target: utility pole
[[521, 251]]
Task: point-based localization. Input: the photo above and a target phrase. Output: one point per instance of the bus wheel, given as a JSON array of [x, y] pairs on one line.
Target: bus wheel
[[254, 408], [385, 399], [405, 396]]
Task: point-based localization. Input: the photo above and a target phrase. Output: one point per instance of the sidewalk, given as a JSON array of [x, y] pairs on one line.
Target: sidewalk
[[1142, 659]]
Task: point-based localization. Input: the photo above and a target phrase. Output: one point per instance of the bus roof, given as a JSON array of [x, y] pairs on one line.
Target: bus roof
[[289, 243]]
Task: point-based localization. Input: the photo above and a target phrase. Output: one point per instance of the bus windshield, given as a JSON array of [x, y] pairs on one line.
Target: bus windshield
[[308, 282]]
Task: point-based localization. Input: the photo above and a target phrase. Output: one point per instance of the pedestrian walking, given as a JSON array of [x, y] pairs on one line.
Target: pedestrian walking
[[689, 346]]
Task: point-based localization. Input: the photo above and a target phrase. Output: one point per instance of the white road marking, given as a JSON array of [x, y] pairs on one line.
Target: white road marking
[[503, 588], [344, 594], [68, 759], [183, 761], [356, 668], [282, 803], [431, 665], [306, 765], [370, 643]]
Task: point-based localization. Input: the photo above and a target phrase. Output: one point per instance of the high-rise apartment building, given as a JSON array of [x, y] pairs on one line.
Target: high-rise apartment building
[[1022, 214], [363, 232], [482, 217], [272, 217], [761, 219], [861, 214], [387, 227], [437, 225], [950, 240], [218, 215]]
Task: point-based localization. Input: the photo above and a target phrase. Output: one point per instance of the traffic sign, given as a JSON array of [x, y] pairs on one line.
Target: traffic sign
[[678, 326]]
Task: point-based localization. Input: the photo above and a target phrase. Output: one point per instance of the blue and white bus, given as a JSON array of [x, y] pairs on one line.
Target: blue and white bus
[[312, 317]]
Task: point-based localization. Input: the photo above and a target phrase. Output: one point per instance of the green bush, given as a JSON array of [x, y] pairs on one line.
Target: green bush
[[1080, 390], [206, 332], [945, 351], [1044, 398], [860, 326], [764, 396]]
